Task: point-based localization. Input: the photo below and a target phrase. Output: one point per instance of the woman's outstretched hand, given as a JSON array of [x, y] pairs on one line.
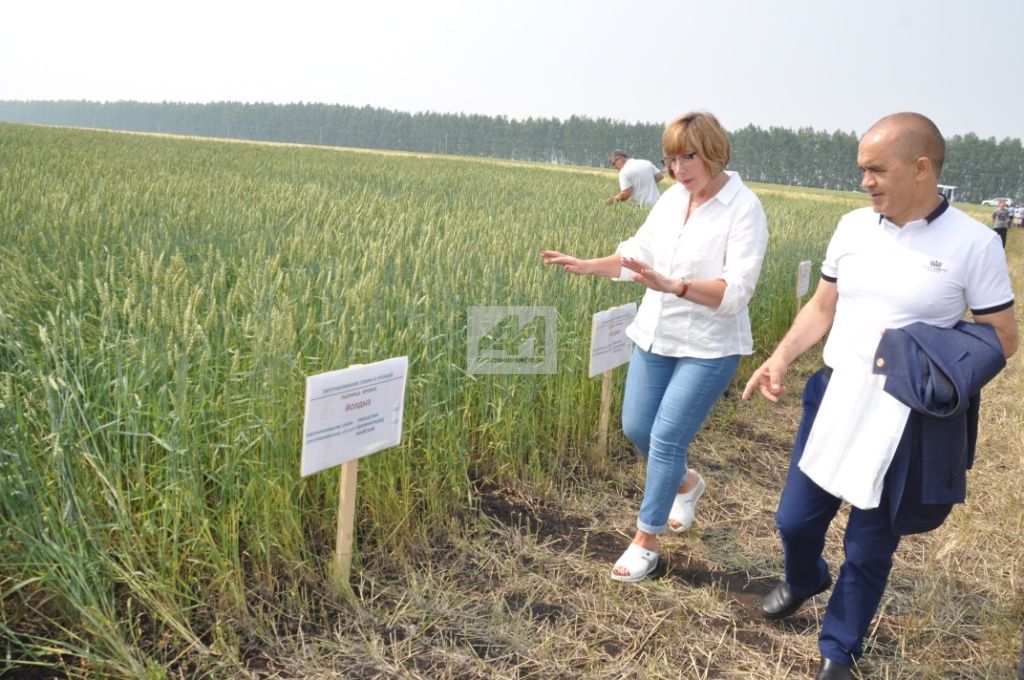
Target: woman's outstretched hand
[[650, 278], [573, 265]]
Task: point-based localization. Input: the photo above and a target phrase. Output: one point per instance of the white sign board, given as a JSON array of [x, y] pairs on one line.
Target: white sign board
[[352, 412], [609, 346], [803, 278]]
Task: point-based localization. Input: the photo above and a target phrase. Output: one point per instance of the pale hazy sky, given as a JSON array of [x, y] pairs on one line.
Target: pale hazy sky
[[827, 64]]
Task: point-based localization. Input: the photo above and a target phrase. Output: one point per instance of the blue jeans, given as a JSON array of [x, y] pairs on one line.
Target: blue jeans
[[666, 400]]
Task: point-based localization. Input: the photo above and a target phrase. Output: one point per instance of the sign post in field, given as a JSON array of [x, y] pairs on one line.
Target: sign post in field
[[609, 348], [351, 413], [803, 282]]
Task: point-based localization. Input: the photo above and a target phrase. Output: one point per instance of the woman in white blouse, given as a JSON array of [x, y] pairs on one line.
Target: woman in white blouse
[[699, 254]]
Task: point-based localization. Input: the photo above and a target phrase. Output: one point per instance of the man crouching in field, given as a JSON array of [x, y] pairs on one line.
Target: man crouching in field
[[890, 422]]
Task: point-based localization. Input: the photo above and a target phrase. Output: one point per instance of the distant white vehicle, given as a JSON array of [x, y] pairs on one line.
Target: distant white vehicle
[[996, 201]]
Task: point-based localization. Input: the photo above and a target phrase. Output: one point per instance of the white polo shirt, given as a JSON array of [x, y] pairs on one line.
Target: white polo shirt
[[930, 270], [724, 238], [639, 174]]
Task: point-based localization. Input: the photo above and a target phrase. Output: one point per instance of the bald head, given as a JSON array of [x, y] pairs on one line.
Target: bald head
[[901, 156], [912, 136]]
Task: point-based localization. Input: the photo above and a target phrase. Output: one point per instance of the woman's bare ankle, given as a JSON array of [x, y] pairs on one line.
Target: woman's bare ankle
[[690, 480], [646, 541]]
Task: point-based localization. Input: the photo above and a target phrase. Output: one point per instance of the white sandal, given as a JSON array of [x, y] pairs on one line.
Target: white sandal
[[685, 506], [639, 562]]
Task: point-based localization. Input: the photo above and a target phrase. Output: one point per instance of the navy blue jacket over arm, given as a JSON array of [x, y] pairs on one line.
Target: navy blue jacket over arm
[[938, 373]]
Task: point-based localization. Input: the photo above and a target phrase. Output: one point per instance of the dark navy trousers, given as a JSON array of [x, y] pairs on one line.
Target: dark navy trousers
[[804, 514]]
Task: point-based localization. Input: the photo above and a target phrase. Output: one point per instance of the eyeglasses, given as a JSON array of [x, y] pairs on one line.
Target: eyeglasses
[[683, 158]]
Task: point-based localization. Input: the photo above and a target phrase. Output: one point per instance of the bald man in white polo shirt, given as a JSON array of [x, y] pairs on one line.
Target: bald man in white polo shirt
[[910, 257]]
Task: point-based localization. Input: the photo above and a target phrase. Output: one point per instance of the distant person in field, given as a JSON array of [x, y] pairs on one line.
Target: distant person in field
[[1001, 220], [699, 254], [638, 179], [890, 421], [1018, 215]]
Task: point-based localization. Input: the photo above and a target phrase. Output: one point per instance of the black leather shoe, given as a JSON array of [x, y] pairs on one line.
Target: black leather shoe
[[833, 670], [781, 603]]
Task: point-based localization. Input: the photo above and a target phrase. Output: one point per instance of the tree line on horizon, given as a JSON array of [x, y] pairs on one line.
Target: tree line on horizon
[[979, 168]]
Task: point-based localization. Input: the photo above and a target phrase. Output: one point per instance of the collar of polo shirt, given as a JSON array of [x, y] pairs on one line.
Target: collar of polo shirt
[[930, 217]]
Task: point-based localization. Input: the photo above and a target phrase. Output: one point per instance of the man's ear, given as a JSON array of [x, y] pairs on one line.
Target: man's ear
[[923, 167]]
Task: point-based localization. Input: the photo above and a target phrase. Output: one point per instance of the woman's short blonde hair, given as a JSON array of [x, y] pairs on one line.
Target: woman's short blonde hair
[[697, 131]]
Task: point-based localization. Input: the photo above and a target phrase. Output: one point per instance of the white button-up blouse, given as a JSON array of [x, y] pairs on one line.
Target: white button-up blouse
[[724, 238]]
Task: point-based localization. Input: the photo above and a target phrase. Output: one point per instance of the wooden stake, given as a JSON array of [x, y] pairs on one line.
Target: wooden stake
[[346, 522], [606, 407]]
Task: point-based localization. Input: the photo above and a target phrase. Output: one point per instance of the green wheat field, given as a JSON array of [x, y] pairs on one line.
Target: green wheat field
[[162, 301]]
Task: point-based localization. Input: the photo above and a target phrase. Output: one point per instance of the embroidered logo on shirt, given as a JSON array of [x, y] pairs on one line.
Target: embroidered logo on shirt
[[935, 266]]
